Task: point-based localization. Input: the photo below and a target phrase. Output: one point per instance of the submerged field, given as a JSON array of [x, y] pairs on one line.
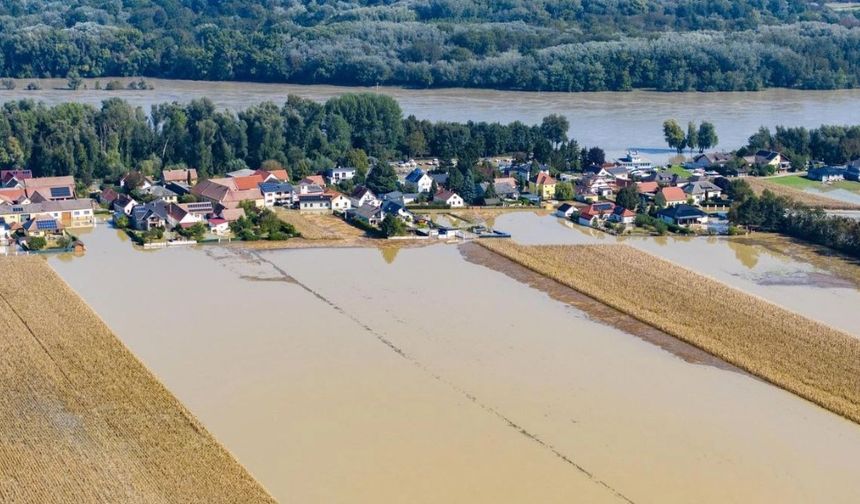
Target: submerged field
[[810, 359], [82, 420], [794, 187]]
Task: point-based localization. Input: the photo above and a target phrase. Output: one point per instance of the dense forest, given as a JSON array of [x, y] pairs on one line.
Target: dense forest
[[831, 144], [560, 45], [302, 135]]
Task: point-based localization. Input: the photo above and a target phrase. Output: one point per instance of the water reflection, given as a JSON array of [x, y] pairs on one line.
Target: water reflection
[[389, 253]]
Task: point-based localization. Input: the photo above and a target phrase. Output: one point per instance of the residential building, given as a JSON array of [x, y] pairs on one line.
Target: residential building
[[277, 194], [149, 216], [340, 203], [219, 226], [123, 204], [181, 216], [14, 178], [70, 213], [419, 180], [162, 193], [362, 196], [566, 210], [318, 203], [313, 180], [392, 207], [683, 215], [769, 158], [827, 173], [853, 171], [43, 226], [185, 176], [450, 198], [226, 192], [337, 175], [673, 195], [368, 214], [49, 188], [710, 160], [543, 186], [108, 196], [621, 215], [14, 195], [596, 213], [702, 190]]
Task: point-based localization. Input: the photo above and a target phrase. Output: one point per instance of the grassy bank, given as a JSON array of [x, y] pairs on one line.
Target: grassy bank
[[810, 359], [794, 190], [82, 420]]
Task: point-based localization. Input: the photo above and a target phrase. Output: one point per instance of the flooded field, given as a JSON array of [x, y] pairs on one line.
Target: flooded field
[[777, 269], [613, 121], [365, 375]]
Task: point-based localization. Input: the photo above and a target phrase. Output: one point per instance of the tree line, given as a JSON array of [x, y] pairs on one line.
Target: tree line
[[550, 45], [357, 130], [832, 144], [769, 212]]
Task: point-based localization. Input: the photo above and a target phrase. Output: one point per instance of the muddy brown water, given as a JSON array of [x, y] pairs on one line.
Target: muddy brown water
[[350, 375], [613, 121], [774, 268]]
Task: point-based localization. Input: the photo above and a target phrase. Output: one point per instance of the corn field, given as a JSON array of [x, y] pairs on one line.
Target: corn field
[[805, 357], [805, 198], [82, 420]]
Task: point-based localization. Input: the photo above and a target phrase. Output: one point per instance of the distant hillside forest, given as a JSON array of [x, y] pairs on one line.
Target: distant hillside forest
[[550, 45]]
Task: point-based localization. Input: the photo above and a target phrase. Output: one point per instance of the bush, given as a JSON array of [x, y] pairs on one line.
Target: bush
[[37, 243]]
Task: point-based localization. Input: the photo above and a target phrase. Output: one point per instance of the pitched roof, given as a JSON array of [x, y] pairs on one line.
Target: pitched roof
[[444, 195], [415, 176], [545, 179], [647, 187], [232, 214], [182, 175], [313, 179], [596, 209], [12, 195], [681, 212], [673, 194], [249, 182], [276, 187], [279, 174], [700, 187]]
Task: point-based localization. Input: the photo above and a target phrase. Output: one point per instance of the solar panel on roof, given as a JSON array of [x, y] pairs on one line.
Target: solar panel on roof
[[46, 225], [61, 192]]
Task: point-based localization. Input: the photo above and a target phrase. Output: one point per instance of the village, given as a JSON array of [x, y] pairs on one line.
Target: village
[[625, 196]]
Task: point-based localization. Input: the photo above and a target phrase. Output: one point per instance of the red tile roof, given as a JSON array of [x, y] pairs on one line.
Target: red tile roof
[[673, 194], [314, 179], [647, 187], [249, 182], [545, 179]]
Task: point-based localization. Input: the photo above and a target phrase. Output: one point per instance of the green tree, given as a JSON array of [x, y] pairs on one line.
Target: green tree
[[628, 197], [564, 191], [490, 192], [707, 136], [554, 128], [674, 135], [392, 225], [692, 138], [382, 178], [36, 243]]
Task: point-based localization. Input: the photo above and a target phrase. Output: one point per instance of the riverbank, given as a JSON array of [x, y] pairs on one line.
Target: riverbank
[[82, 420], [805, 357]]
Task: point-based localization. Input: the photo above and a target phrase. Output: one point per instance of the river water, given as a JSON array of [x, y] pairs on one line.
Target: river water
[[613, 121], [365, 375]]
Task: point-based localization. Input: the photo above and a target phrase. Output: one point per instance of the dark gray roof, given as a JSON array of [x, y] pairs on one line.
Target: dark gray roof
[[682, 212]]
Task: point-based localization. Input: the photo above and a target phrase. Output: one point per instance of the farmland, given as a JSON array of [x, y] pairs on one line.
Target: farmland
[[792, 188], [82, 420], [807, 358]]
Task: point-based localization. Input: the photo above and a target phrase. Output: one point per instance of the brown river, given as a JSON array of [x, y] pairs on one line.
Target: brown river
[[360, 375], [613, 121]]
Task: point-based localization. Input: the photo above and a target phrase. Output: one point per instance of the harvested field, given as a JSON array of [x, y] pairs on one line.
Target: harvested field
[[805, 357], [82, 420], [806, 198], [319, 226]]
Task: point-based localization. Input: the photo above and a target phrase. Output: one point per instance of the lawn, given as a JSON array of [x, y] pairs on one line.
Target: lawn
[[798, 182], [678, 170]]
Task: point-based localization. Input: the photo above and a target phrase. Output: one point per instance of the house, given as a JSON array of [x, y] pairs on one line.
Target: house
[[634, 163], [566, 210], [827, 173], [450, 198], [14, 196], [244, 172], [14, 178], [769, 158], [710, 160], [592, 188], [400, 197], [180, 217], [108, 196], [596, 213], [647, 187], [597, 171], [146, 182], [543, 186], [362, 196], [441, 179], [420, 180], [185, 176], [49, 188], [622, 215], [853, 171], [683, 215], [313, 180], [200, 209], [702, 190], [247, 183], [392, 207], [123, 204], [225, 192], [180, 188], [618, 172], [315, 203], [337, 175], [161, 193], [277, 194], [43, 227], [340, 203], [506, 187], [219, 226], [231, 214], [70, 213], [673, 195], [149, 216], [278, 175], [368, 214]]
